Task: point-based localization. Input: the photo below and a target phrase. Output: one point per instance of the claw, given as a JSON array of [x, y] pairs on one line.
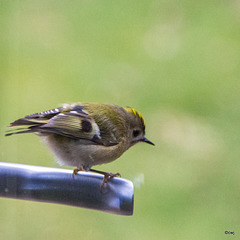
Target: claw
[[76, 170], [108, 176]]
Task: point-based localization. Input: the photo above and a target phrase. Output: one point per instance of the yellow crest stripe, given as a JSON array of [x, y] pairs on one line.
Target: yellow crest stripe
[[136, 113]]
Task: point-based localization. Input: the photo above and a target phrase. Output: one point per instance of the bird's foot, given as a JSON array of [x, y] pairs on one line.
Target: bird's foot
[[107, 176], [76, 170]]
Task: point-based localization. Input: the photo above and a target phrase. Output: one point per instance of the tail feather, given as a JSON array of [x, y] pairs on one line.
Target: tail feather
[[24, 126], [20, 132]]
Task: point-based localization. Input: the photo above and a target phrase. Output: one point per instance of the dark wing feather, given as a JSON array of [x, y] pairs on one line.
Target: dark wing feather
[[46, 114]]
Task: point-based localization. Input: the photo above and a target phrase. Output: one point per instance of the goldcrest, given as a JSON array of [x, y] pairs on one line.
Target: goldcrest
[[85, 134]]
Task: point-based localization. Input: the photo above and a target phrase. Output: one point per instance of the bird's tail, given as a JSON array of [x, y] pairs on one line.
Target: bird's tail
[[24, 125]]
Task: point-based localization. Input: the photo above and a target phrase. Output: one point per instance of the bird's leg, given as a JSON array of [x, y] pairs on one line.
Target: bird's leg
[[107, 176], [76, 170]]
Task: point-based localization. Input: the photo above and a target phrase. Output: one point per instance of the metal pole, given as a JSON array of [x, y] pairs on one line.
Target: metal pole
[[58, 186]]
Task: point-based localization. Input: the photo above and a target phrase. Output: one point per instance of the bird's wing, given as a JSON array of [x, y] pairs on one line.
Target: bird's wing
[[72, 122], [73, 125]]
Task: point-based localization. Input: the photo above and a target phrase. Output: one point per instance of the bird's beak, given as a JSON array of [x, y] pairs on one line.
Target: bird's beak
[[148, 141]]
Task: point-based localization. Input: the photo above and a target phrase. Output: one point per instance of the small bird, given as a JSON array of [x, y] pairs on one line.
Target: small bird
[[85, 134]]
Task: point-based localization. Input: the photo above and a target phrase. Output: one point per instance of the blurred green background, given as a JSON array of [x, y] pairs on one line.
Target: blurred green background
[[176, 62]]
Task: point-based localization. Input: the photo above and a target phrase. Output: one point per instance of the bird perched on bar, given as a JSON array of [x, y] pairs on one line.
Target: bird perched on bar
[[85, 134]]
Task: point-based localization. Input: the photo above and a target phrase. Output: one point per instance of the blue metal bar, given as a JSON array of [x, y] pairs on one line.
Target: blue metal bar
[[58, 186]]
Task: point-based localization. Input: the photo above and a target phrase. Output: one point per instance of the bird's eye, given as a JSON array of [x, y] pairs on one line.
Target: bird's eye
[[136, 133]]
